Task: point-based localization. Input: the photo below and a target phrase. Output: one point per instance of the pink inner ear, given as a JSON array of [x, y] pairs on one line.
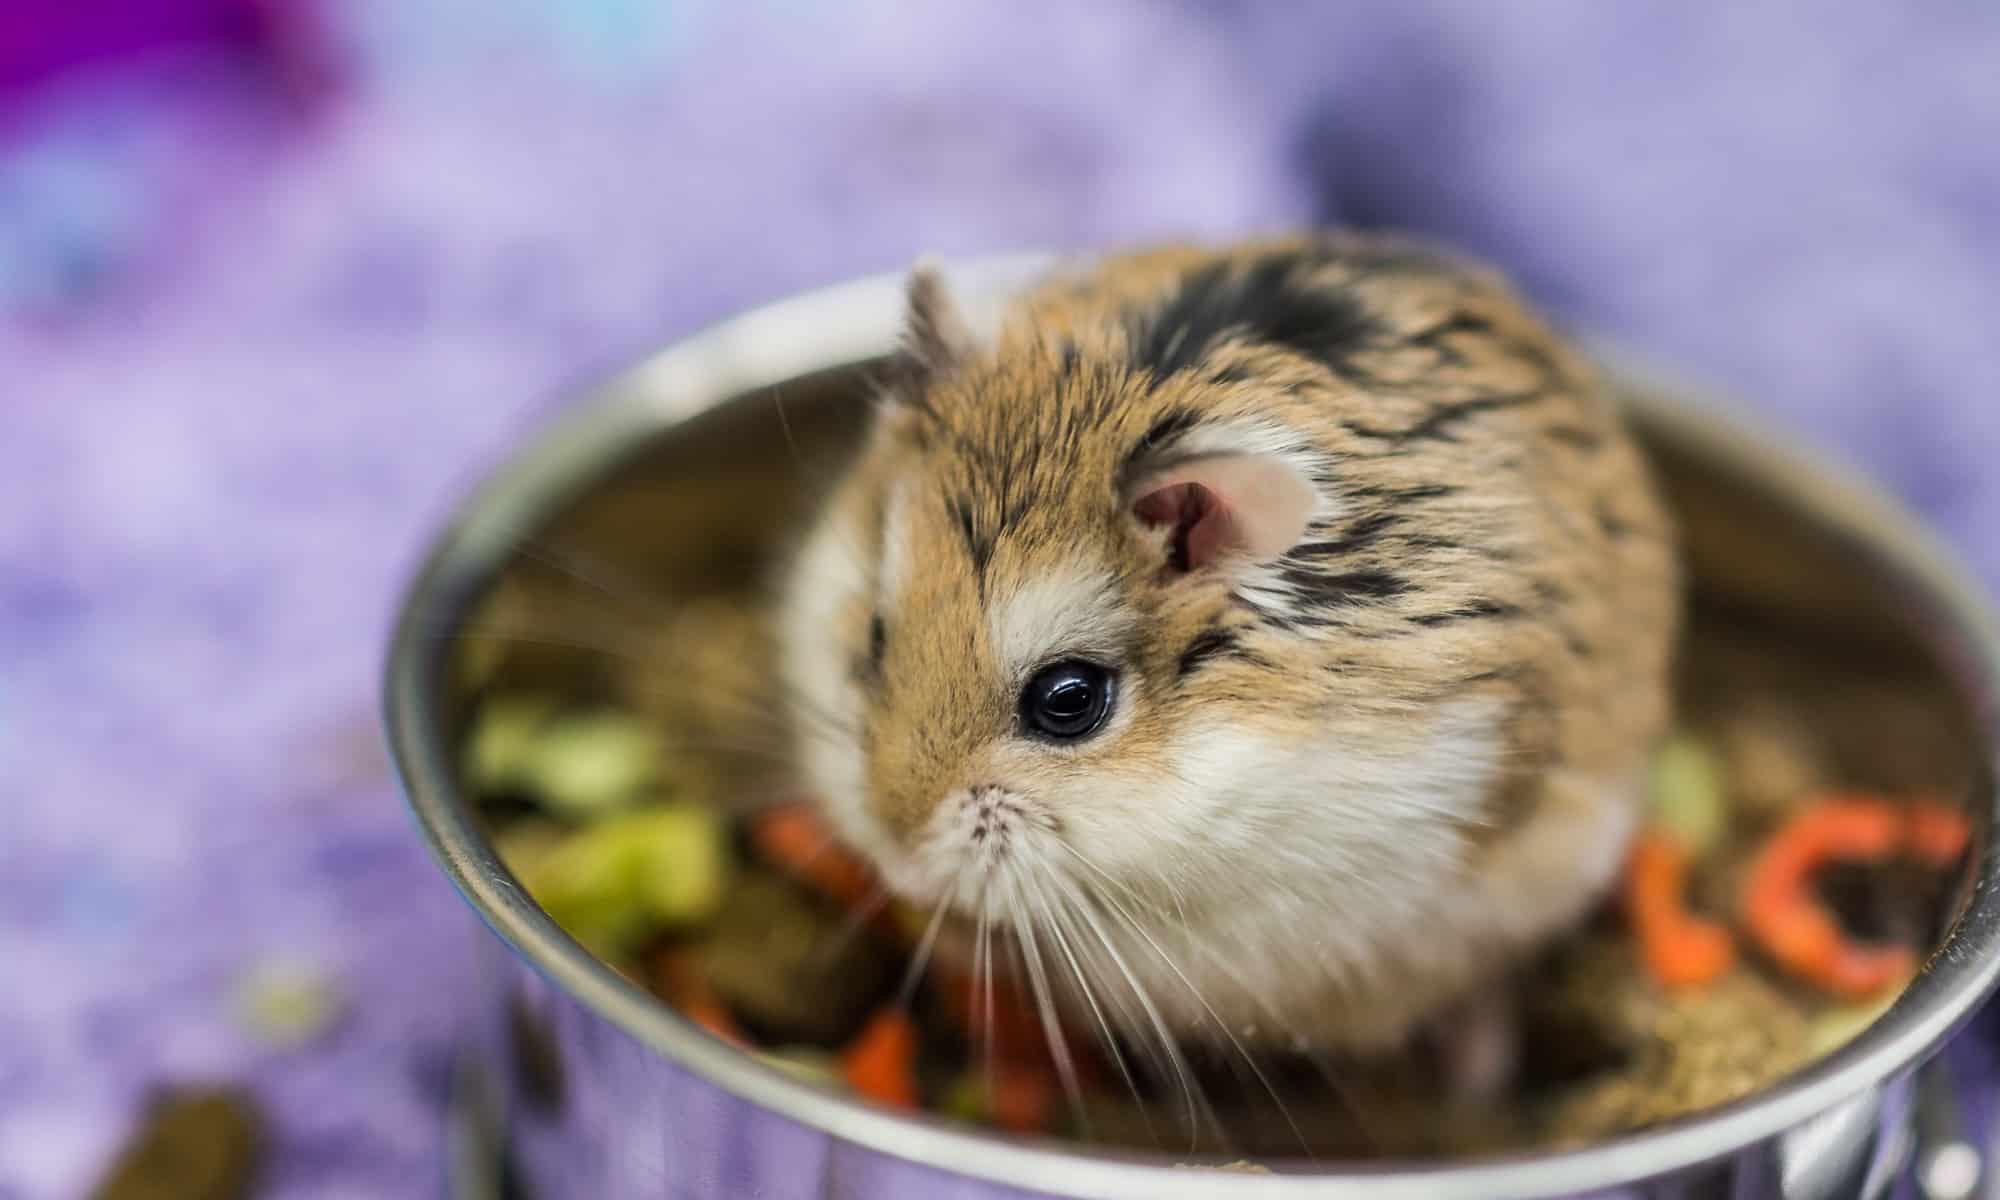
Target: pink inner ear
[[1253, 505], [1199, 521]]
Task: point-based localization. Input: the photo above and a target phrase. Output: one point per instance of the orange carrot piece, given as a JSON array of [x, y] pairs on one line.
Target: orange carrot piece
[[1023, 1097], [1938, 833], [881, 1062], [1863, 971], [1679, 949], [795, 839], [680, 981], [1790, 923], [713, 1016]]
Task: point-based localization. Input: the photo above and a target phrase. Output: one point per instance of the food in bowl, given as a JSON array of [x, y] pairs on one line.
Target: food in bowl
[[1795, 869]]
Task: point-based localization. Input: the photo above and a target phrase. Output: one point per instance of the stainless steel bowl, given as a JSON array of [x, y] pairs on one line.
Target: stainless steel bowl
[[592, 1089]]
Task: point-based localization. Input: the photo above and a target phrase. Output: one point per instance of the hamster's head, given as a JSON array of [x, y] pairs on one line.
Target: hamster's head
[[995, 638]]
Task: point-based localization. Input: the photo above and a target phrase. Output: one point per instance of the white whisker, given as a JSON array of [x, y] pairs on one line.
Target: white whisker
[[1057, 913], [1168, 961], [928, 942], [1031, 958], [1196, 1101]]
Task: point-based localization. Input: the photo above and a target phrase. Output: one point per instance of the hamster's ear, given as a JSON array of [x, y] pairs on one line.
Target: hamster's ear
[[935, 332], [1229, 505]]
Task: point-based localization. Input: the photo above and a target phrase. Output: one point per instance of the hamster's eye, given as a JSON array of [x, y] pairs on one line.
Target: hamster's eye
[[1067, 700]]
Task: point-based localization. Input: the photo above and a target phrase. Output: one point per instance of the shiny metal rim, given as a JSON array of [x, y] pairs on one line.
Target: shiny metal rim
[[852, 323]]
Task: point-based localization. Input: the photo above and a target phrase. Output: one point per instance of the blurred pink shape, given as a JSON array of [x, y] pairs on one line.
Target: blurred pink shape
[[41, 39]]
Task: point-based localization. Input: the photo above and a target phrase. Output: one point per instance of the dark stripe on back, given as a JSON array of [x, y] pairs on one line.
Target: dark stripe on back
[[1473, 611], [1432, 339], [1439, 422], [1267, 302], [1421, 491], [1357, 536], [1350, 587]]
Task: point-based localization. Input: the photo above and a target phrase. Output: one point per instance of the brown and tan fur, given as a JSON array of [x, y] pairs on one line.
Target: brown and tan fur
[[1342, 785]]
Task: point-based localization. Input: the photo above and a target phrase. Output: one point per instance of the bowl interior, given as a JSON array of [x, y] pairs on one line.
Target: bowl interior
[[1785, 582]]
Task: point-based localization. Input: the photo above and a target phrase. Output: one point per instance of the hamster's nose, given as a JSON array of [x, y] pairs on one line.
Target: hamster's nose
[[990, 812]]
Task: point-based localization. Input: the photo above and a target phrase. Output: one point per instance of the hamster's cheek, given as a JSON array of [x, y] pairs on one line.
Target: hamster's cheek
[[1339, 810], [1130, 824]]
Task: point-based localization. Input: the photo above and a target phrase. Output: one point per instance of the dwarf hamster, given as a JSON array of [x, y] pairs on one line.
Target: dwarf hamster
[[1269, 638]]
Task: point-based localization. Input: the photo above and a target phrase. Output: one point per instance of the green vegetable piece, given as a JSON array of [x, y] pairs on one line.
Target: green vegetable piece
[[1687, 793], [503, 741], [587, 765], [613, 883], [965, 1099], [687, 866]]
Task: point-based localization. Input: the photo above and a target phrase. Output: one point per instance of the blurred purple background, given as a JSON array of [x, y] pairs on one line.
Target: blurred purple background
[[277, 279]]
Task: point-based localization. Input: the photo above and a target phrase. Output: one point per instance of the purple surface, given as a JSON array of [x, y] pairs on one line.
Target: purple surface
[[40, 39], [249, 354]]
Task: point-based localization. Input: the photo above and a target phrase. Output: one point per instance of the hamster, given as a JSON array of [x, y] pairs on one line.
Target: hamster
[[1269, 638]]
